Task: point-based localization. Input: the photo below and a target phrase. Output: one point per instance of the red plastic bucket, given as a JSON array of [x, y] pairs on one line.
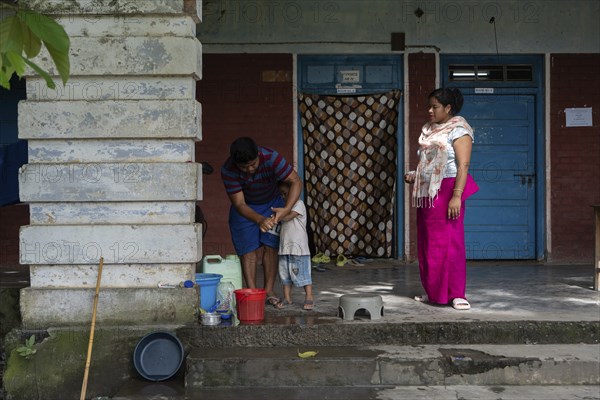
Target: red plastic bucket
[[250, 304]]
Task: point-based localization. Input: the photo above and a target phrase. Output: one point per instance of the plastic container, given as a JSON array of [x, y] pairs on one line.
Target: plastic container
[[226, 299], [250, 304], [230, 267], [208, 284]]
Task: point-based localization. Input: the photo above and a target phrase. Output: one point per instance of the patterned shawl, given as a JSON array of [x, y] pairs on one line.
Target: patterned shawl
[[433, 156]]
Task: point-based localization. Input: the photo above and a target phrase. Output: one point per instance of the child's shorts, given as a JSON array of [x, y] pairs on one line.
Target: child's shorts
[[295, 269]]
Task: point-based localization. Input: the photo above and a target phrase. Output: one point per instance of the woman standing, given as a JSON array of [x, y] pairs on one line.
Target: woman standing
[[441, 185]]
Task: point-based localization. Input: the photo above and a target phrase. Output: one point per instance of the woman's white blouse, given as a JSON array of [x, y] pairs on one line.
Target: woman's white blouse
[[451, 170]]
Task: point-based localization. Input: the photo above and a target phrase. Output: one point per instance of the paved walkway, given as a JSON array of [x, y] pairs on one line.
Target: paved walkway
[[498, 291]]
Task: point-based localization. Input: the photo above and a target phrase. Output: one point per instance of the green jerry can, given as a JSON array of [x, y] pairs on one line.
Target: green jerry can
[[230, 267]]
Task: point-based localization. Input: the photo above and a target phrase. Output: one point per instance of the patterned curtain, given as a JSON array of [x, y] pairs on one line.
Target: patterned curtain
[[350, 171]]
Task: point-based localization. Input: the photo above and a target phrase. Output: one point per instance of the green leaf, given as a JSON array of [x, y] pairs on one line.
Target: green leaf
[[54, 37], [31, 341], [5, 28], [61, 60], [31, 43], [49, 81], [47, 29], [6, 72], [10, 35], [5, 80], [17, 61]]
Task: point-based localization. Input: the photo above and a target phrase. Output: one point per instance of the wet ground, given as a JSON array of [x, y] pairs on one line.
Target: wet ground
[[498, 292]]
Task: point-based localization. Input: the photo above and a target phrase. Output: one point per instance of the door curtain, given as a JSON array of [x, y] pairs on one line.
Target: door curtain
[[350, 172]]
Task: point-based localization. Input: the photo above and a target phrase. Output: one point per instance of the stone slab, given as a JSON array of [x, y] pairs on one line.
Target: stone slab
[[93, 182], [164, 212], [573, 364], [123, 25], [552, 364], [116, 7], [137, 390], [118, 55], [113, 275], [110, 151], [293, 327], [41, 308], [94, 88], [140, 119], [118, 244]]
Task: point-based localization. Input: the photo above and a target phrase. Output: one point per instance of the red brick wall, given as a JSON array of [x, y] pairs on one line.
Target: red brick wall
[[241, 95], [575, 156], [11, 218], [421, 82]]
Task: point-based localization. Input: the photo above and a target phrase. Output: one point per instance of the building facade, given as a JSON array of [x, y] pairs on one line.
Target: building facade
[[523, 67]]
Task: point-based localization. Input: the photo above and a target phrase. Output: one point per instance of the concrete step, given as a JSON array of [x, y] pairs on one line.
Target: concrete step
[[384, 366], [158, 391], [320, 330]]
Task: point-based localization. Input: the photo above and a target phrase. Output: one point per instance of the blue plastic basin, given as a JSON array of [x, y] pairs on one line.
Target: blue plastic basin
[[158, 356]]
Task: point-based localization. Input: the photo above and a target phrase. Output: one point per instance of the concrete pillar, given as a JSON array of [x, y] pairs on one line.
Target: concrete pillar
[[111, 169]]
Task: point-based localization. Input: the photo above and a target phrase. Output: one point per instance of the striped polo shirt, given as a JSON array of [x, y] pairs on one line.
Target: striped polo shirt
[[261, 187]]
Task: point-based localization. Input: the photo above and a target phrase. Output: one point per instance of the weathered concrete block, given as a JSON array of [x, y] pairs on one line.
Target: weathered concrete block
[[113, 275], [110, 182], [146, 55], [117, 150], [56, 370], [116, 7], [110, 119], [120, 25], [113, 88], [164, 212], [42, 308], [118, 244]]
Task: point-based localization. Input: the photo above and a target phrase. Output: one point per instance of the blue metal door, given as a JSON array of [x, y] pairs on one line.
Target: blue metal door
[[504, 105], [500, 219]]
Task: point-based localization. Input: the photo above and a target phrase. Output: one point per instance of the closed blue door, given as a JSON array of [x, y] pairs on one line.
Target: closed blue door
[[504, 105], [500, 219]]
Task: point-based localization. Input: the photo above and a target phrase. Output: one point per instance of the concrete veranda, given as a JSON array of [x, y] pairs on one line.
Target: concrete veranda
[[511, 302], [497, 291]]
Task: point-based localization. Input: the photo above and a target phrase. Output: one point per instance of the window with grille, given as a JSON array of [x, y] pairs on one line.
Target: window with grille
[[490, 73]]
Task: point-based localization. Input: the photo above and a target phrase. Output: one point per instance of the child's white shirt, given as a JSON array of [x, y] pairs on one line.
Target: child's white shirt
[[293, 239]]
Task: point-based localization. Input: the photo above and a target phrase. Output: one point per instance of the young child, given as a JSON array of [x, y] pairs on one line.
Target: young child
[[294, 254]]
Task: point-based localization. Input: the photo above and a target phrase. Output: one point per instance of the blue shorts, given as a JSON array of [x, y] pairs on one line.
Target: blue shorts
[[246, 235], [295, 269]]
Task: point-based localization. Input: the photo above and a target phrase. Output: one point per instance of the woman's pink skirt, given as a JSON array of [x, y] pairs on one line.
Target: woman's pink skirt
[[441, 245]]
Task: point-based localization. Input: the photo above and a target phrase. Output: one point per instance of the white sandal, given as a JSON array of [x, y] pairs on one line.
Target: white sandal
[[422, 298], [460, 304]]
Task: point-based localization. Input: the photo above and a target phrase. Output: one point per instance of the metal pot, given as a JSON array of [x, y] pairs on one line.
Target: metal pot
[[210, 318]]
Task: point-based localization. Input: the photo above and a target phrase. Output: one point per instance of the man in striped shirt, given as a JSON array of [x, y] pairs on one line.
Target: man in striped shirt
[[251, 175]]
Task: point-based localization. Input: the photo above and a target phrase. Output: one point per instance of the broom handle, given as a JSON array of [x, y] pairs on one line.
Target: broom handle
[[91, 342]]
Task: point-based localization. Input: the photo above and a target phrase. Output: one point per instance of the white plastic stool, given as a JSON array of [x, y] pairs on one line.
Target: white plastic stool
[[351, 303]]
